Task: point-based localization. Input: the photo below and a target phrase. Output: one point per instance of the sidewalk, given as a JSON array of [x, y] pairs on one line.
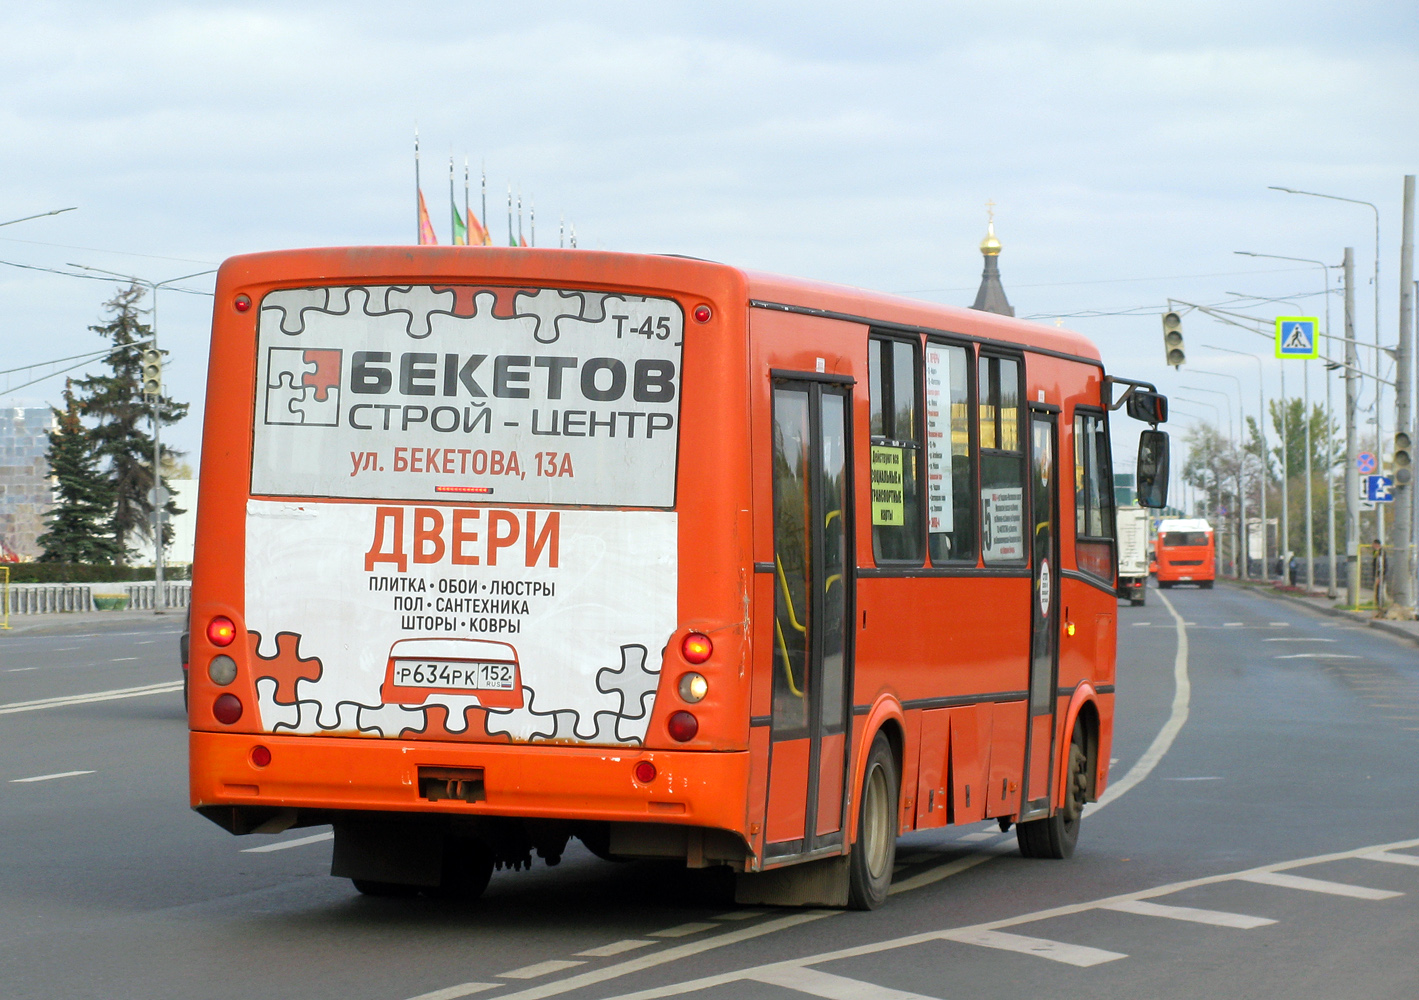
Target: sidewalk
[[65, 621], [1319, 602]]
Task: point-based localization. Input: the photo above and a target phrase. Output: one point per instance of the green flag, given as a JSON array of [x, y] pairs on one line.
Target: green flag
[[460, 229]]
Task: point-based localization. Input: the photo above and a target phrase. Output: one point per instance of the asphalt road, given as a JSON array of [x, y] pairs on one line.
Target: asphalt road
[[1249, 862]]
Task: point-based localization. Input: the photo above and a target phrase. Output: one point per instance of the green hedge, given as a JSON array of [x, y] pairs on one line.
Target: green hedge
[[42, 572]]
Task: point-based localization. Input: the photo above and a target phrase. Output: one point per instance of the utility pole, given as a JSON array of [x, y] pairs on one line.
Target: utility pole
[[1352, 446], [1402, 587]]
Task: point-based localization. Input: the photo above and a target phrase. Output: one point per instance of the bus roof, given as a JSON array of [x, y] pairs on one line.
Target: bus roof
[[861, 303], [498, 265], [1184, 524]]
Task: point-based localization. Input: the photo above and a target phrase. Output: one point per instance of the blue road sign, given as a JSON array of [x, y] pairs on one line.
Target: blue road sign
[[1366, 463], [1296, 337], [1377, 489]]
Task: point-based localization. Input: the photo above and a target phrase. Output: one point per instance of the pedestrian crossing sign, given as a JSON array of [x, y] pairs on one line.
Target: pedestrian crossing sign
[[1297, 337]]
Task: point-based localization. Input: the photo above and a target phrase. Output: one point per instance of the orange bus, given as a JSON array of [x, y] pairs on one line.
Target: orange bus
[[1186, 552], [500, 547]]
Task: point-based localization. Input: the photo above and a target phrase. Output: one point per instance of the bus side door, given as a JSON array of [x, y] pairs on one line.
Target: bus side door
[[1044, 612], [812, 632]]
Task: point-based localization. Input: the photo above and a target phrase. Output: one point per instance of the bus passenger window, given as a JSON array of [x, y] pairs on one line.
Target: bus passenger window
[[1002, 463], [1093, 496], [896, 451], [950, 508]]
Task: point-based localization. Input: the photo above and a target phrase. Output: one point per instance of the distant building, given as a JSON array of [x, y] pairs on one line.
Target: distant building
[[991, 295], [26, 490]]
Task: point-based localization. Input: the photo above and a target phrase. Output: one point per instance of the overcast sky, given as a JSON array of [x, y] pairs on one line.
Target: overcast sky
[[1128, 148]]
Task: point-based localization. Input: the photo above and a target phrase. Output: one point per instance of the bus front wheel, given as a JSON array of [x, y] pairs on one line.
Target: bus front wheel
[[875, 854], [1055, 836]]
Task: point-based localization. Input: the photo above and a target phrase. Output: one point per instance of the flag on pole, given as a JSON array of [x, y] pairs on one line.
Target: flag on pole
[[460, 229], [426, 226], [458, 232]]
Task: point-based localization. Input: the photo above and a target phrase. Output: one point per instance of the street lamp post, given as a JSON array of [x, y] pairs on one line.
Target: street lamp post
[[158, 502], [1379, 375], [1306, 395], [1227, 400]]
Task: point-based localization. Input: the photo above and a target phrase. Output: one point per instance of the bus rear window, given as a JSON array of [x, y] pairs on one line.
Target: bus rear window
[[461, 392], [1172, 539]]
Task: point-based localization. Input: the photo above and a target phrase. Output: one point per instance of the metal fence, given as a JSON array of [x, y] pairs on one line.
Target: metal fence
[[49, 598]]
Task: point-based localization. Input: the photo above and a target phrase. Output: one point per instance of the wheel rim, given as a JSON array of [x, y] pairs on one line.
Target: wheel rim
[[876, 822]]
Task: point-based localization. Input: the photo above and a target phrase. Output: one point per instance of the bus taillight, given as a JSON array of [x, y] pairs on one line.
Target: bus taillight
[[260, 756], [696, 647], [242, 303], [221, 631], [682, 726], [227, 709], [693, 687], [702, 314], [645, 772]]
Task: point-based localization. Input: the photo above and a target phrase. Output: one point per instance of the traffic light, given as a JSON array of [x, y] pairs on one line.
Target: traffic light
[[152, 372], [1173, 339], [1403, 474]]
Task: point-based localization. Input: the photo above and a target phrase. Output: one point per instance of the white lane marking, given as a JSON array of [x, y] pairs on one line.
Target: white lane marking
[[1216, 918], [856, 951], [1280, 624], [538, 969], [614, 948], [825, 984], [121, 659], [1056, 951], [668, 955], [1318, 656], [1206, 778], [739, 914], [1233, 624], [48, 777], [1297, 638], [1182, 695], [683, 930], [298, 842], [1396, 859], [454, 992], [980, 835], [1141, 624], [20, 670], [939, 872], [85, 699], [1318, 885]]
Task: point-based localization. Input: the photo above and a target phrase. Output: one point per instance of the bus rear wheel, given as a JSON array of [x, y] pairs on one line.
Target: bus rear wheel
[[1055, 836], [875, 854]]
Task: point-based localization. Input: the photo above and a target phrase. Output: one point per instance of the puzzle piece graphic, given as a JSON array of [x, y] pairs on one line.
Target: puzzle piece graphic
[[291, 305], [421, 303], [303, 386], [285, 667], [637, 684], [547, 306], [273, 714]]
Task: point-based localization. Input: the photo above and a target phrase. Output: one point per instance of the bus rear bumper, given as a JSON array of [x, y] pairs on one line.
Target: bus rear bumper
[[353, 775]]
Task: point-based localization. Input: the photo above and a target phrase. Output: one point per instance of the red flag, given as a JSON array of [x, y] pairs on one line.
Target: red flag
[[427, 236]]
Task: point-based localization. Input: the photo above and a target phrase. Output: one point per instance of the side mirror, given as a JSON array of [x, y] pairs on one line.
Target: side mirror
[[1152, 468], [1149, 407]]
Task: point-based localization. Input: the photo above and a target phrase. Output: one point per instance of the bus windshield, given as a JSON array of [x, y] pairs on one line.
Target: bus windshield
[[423, 392]]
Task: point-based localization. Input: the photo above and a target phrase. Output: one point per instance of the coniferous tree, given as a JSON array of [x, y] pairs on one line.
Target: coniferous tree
[[79, 525], [116, 400]]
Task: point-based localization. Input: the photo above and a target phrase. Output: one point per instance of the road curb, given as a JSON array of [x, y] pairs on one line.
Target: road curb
[[1389, 628]]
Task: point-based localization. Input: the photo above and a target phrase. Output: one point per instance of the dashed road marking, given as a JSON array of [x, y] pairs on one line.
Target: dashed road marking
[[1056, 951], [739, 914], [538, 969], [614, 948], [1317, 885], [1319, 656], [1300, 638], [826, 984], [298, 842], [1217, 918], [941, 871], [454, 992], [683, 930], [48, 777]]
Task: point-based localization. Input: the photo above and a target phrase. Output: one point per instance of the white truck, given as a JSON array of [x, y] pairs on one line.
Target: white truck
[[1133, 527]]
